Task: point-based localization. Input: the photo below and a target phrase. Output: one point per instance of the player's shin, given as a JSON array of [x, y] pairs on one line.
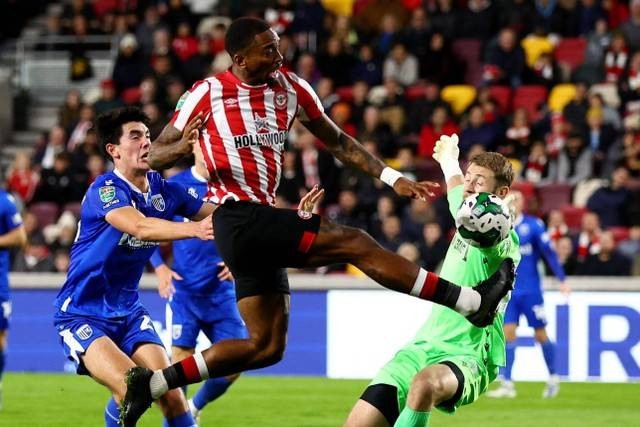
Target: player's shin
[[111, 414], [210, 391], [191, 370], [412, 418], [430, 286]]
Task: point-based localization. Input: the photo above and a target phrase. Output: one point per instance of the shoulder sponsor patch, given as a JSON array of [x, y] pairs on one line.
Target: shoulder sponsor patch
[[107, 193], [182, 99]]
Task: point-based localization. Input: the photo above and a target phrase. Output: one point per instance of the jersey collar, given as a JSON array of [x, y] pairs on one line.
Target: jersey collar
[[196, 175], [133, 187]]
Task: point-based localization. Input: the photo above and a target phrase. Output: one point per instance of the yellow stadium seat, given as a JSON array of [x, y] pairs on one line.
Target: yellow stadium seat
[[560, 96], [459, 97], [534, 46]]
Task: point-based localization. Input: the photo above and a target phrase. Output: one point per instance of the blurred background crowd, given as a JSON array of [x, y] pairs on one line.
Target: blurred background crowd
[[554, 85]]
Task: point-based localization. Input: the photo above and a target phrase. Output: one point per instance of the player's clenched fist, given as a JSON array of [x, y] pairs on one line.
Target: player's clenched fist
[[446, 149]]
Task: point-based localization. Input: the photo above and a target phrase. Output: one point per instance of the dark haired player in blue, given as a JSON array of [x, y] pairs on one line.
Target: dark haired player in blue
[[203, 298], [12, 234], [103, 327], [526, 298]]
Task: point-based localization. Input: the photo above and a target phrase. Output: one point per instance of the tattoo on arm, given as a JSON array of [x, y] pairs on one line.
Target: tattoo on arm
[[345, 148], [167, 148]]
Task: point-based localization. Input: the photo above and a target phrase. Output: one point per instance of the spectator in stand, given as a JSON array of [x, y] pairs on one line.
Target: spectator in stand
[[61, 261], [391, 237], [145, 29], [55, 143], [107, 100], [518, 136], [517, 14], [316, 165], [393, 106], [348, 211], [400, 65], [588, 13], [406, 161], [359, 102], [631, 246], [610, 203], [59, 184], [334, 62], [617, 12], [418, 30], [477, 132], [409, 251], [616, 58], [445, 18], [197, 66], [388, 34], [341, 115], [217, 38], [69, 112], [505, 60], [291, 186], [608, 261], [574, 163], [366, 67], [184, 44], [96, 166], [536, 164], [566, 256], [597, 44], [433, 246], [544, 71], [630, 155], [414, 217], [421, 109], [385, 207], [174, 13], [556, 226], [35, 257], [78, 130], [156, 120], [587, 242], [477, 20], [610, 116], [306, 68], [326, 93], [22, 180], [130, 66], [631, 27], [549, 16], [600, 137], [344, 31], [80, 156], [438, 64], [372, 128], [556, 138], [576, 110]]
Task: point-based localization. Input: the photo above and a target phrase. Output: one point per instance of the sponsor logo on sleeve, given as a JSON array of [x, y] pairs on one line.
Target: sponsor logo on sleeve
[[107, 193], [84, 332], [181, 100]]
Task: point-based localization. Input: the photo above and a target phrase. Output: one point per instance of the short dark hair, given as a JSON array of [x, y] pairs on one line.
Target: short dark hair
[[499, 164], [241, 33], [109, 124]]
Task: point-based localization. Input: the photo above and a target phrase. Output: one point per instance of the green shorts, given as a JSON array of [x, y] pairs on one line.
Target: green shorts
[[400, 370]]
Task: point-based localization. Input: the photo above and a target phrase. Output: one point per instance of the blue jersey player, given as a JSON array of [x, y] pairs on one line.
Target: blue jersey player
[[202, 295], [12, 234], [526, 298], [102, 325]]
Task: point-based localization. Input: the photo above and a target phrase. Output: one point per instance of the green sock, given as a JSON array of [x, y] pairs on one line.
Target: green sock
[[411, 418]]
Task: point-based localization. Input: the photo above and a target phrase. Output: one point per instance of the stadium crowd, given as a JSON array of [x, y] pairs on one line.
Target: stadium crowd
[[554, 85]]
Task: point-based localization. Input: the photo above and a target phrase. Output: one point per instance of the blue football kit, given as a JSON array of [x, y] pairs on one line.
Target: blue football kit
[[201, 301], [100, 295], [10, 219]]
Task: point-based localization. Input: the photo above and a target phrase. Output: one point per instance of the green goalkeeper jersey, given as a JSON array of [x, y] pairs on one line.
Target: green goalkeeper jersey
[[448, 331]]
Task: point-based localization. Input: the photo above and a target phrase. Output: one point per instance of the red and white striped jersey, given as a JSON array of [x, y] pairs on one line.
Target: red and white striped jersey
[[245, 129]]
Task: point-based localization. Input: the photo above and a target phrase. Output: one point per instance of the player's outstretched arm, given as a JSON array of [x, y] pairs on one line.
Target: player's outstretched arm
[[131, 221], [447, 153], [207, 209], [350, 152], [14, 238], [172, 144]]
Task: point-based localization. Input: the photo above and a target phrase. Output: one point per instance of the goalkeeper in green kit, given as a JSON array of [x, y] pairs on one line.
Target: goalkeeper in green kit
[[449, 362]]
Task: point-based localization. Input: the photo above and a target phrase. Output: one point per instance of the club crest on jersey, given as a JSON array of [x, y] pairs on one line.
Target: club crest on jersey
[[281, 100], [107, 193], [176, 331], [84, 332], [262, 123], [158, 202], [304, 214]]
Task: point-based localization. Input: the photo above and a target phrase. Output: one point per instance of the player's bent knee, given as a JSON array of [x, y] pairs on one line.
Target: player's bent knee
[[272, 354], [173, 403], [426, 387]]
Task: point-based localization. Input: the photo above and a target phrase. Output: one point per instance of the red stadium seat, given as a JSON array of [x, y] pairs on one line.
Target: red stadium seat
[[74, 208], [554, 196], [569, 52], [530, 98], [527, 189], [345, 93], [573, 217], [131, 95], [415, 92], [619, 233], [502, 96], [45, 212]]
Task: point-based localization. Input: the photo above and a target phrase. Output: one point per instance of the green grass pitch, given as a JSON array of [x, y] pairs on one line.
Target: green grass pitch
[[69, 400]]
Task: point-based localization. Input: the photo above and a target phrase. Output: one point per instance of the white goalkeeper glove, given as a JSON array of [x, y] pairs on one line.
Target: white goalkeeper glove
[[446, 152]]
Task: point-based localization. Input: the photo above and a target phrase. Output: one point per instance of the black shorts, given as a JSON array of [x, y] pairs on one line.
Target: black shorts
[[257, 242]]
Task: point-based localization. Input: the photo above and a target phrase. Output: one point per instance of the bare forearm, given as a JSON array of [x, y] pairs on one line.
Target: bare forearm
[[350, 152], [167, 149], [16, 237], [160, 230]]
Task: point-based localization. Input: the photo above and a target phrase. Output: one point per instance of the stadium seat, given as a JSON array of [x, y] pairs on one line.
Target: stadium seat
[[45, 212], [74, 208], [609, 92], [131, 95], [415, 92], [573, 217], [633, 184], [345, 93], [527, 189], [502, 96], [530, 97], [459, 97], [468, 51], [569, 52], [619, 233], [554, 196], [560, 96]]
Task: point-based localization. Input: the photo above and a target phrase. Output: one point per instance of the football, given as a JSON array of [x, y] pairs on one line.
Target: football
[[483, 220]]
